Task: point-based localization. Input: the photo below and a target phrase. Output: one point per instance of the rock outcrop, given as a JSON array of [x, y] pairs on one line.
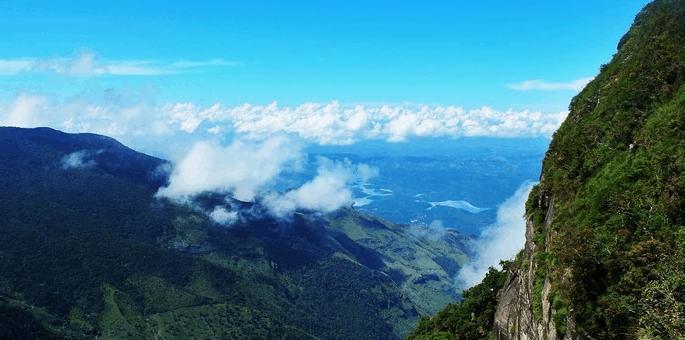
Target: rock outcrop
[[514, 318]]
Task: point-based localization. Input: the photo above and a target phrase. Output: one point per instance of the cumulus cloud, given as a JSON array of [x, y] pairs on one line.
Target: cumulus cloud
[[326, 192], [241, 168], [78, 160], [223, 216], [188, 117], [250, 171], [86, 63], [136, 119], [499, 241], [333, 123], [541, 85]]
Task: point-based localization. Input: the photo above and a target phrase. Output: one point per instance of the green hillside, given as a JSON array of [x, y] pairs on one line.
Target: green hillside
[[607, 222], [88, 251]]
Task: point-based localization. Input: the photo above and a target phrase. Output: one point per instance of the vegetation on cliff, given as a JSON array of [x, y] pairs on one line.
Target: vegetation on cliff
[[609, 213], [615, 178], [471, 318]]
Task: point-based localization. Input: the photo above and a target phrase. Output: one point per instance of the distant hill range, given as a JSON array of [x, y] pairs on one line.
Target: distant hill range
[[88, 251]]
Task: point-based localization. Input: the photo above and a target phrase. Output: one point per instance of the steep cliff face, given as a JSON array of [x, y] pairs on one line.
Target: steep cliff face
[[605, 234], [605, 242], [514, 317]]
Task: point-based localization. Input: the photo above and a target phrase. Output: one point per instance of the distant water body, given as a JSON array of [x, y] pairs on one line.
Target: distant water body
[[458, 183]]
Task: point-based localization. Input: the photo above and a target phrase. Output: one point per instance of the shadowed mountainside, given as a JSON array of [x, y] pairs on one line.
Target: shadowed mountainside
[[89, 251]]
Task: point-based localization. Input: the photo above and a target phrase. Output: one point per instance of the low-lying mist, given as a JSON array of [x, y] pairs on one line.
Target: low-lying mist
[[499, 241], [249, 171]]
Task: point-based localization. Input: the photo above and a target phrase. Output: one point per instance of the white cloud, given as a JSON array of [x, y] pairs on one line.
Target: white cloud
[[134, 121], [326, 192], [188, 117], [25, 110], [86, 63], [241, 169], [332, 123], [222, 216], [541, 85], [78, 160], [499, 241], [138, 121], [249, 172]]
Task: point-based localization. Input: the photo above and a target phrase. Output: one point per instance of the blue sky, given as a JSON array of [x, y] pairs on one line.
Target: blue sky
[[437, 53]]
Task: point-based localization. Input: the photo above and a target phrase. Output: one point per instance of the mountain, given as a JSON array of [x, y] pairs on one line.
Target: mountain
[[88, 251], [605, 241]]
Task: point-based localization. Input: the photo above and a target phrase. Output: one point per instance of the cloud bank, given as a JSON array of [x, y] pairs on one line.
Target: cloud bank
[[499, 241], [541, 85], [140, 118], [333, 123]]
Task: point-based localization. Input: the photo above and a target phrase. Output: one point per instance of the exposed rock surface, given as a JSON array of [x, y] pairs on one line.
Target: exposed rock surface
[[514, 318]]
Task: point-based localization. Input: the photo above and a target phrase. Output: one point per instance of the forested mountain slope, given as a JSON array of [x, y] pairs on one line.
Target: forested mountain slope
[[605, 249], [87, 250]]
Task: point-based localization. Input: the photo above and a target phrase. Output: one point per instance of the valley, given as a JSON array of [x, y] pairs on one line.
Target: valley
[[90, 251]]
